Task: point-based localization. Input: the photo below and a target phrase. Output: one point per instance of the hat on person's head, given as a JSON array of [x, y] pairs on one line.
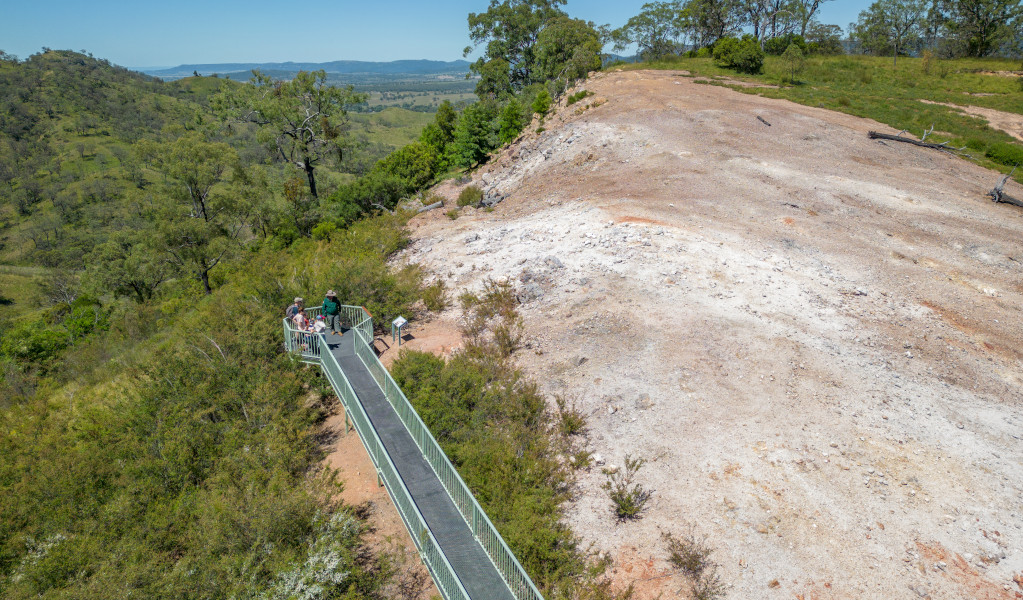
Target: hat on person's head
[[319, 317], [331, 293], [298, 300]]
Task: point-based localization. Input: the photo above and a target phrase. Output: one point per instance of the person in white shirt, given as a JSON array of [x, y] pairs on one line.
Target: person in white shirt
[[300, 320], [320, 325]]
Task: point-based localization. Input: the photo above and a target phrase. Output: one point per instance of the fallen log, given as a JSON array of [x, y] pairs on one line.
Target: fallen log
[[898, 138], [430, 207], [491, 201]]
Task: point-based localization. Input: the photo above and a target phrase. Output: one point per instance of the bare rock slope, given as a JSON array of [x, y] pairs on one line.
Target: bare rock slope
[[814, 339]]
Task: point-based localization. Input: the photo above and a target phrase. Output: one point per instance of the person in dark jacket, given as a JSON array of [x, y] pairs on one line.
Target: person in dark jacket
[[332, 312]]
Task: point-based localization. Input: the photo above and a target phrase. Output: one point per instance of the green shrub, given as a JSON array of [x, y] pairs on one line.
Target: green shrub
[[470, 196], [976, 144], [776, 46], [743, 55], [324, 230], [33, 342], [794, 61], [578, 96], [491, 321], [628, 498], [414, 164], [542, 102], [1006, 154], [572, 420], [510, 122], [434, 296], [377, 187], [452, 214]]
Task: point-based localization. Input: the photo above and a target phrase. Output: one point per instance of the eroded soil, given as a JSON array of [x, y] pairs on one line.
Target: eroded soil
[[814, 339]]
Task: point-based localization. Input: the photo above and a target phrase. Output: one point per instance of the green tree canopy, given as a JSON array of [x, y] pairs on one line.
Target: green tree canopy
[[978, 28], [712, 20], [566, 50], [128, 265], [414, 163], [303, 121], [660, 29], [890, 26], [476, 134], [518, 53], [511, 121]]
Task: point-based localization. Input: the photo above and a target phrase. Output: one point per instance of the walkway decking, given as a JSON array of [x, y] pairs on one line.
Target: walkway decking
[[470, 562]]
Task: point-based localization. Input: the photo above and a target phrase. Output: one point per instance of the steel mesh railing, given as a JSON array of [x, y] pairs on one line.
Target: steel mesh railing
[[429, 549], [360, 322], [482, 528]]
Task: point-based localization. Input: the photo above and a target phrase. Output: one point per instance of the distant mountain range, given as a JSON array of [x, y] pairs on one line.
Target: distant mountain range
[[356, 69]]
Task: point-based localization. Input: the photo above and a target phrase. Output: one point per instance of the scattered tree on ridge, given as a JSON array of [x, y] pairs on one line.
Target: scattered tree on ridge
[[890, 26], [519, 54], [303, 121]]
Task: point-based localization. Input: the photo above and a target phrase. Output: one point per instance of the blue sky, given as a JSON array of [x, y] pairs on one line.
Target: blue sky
[[139, 33]]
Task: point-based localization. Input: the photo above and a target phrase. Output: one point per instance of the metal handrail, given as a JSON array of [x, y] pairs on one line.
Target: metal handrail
[[309, 346], [442, 571], [483, 529]]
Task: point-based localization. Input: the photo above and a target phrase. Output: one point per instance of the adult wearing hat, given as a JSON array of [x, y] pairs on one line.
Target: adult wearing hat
[[332, 312], [294, 308]]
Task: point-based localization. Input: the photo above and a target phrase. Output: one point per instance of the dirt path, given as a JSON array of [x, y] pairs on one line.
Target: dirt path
[[814, 339], [1010, 123]]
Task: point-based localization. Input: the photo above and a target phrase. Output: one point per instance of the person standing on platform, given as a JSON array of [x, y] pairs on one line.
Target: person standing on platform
[[294, 308], [332, 312]]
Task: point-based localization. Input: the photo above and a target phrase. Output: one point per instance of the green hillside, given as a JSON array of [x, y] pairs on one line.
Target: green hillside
[[155, 440]]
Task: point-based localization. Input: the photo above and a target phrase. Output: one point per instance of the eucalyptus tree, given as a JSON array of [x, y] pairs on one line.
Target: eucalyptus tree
[[711, 20], [198, 218], [529, 42], [660, 29], [890, 26], [978, 28], [304, 121], [806, 11]]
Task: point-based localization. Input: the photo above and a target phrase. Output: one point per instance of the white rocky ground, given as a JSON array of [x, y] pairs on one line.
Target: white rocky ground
[[814, 339]]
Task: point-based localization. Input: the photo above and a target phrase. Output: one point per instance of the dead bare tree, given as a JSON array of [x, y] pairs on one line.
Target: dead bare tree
[[899, 138], [997, 194]]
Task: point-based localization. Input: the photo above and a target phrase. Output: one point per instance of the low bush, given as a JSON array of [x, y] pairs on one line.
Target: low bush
[[578, 96], [976, 144], [743, 55], [324, 230], [628, 498], [470, 196], [1006, 154], [690, 555], [571, 419], [435, 297]]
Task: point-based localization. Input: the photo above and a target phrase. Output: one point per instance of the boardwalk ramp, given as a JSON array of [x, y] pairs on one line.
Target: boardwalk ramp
[[465, 554]]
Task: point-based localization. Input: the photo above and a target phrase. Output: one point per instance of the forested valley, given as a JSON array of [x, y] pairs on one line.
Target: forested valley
[[156, 439]]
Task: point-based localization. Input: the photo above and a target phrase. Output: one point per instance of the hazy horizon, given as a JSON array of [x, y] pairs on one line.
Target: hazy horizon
[[141, 36]]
